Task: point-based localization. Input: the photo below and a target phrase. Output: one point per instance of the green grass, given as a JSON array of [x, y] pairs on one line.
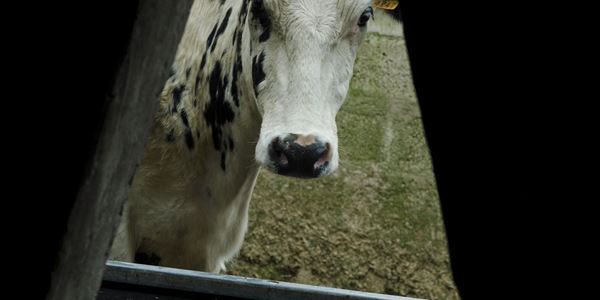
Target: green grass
[[374, 225]]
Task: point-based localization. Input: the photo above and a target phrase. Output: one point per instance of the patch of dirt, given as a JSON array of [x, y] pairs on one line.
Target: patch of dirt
[[375, 225]]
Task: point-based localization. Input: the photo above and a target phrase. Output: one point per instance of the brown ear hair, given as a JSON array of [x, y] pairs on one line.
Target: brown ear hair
[[385, 4]]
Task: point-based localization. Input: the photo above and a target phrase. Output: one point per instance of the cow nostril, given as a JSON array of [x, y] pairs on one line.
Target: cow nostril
[[277, 152], [276, 145], [324, 157]]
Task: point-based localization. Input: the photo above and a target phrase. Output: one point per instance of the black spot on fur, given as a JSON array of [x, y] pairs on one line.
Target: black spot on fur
[[222, 2], [260, 14], [235, 34], [217, 112], [237, 69], [144, 258], [187, 72], [258, 74], [243, 13], [171, 136], [202, 64], [234, 91], [184, 118], [231, 144], [189, 139], [197, 134], [238, 42], [211, 36], [221, 29], [223, 157], [265, 35], [176, 97]]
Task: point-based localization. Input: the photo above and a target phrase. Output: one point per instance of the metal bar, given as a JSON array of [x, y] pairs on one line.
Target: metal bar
[[227, 285]]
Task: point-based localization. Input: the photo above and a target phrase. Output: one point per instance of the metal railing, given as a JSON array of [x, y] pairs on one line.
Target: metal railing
[[135, 281]]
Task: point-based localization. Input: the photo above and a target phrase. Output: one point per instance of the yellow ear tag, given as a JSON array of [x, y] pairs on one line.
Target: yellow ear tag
[[385, 4]]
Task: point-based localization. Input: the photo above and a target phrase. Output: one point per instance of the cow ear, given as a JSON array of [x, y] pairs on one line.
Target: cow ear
[[385, 4], [390, 6]]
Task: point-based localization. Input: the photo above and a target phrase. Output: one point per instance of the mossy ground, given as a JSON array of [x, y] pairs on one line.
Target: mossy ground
[[375, 225]]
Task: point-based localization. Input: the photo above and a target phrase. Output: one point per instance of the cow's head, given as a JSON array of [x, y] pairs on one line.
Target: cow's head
[[303, 52]]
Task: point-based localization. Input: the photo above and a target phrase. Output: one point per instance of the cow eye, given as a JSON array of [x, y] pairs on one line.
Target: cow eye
[[366, 15]]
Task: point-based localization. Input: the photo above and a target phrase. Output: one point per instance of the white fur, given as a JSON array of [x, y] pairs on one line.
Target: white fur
[[182, 206], [308, 69]]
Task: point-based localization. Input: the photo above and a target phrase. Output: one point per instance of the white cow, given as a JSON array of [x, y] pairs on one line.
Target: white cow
[[255, 83]]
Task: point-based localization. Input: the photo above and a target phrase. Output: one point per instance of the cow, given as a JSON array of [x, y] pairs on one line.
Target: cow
[[254, 84]]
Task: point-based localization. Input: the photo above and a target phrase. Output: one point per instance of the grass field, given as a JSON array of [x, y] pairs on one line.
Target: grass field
[[375, 225]]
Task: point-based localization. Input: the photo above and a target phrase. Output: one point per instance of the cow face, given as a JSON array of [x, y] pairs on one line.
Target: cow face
[[303, 52]]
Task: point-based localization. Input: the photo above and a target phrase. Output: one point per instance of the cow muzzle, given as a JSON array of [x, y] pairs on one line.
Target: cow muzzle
[[303, 156]]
